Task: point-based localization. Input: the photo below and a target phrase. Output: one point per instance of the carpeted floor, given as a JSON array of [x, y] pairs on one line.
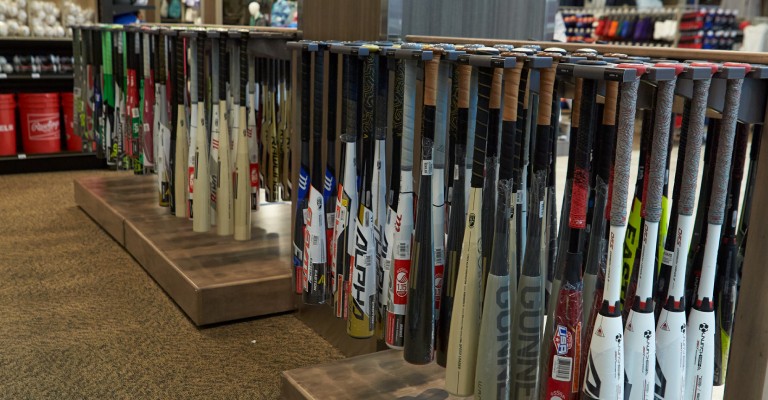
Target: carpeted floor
[[79, 318]]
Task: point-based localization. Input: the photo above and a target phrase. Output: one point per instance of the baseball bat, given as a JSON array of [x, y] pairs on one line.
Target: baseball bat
[[442, 115], [394, 112], [493, 361], [132, 77], [488, 210], [670, 326], [467, 312], [172, 112], [640, 329], [420, 309], [597, 242], [604, 372], [148, 116], [98, 92], [520, 175], [346, 203], [241, 213], [701, 320], [457, 217], [404, 221], [352, 112], [194, 77], [181, 148], [632, 242], [253, 137], [315, 261], [361, 317], [453, 129], [122, 131], [224, 206], [110, 97], [201, 181], [726, 287], [594, 270], [330, 185], [563, 363], [528, 309], [698, 242], [665, 269], [746, 208], [379, 186], [305, 68]]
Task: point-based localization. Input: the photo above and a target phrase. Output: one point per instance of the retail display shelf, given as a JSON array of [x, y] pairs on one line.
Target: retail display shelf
[[382, 375], [212, 278]]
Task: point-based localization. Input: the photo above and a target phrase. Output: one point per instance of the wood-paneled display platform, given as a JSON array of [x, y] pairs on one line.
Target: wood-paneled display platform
[[382, 375], [212, 278], [321, 319]]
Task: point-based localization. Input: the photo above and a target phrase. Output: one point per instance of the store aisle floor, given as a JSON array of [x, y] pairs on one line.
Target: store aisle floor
[[79, 318]]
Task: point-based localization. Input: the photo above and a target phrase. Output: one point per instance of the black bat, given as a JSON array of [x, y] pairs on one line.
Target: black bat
[[420, 309], [305, 68], [314, 288], [726, 287]]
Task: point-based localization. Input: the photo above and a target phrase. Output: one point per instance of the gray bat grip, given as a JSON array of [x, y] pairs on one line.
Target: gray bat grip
[[665, 94], [624, 135], [724, 151], [693, 148], [193, 71], [441, 123], [409, 114]]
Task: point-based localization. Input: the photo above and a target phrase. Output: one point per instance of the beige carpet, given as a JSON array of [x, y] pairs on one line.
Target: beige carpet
[[79, 318]]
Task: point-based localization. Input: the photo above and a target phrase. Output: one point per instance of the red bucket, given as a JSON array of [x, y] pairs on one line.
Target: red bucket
[[40, 123], [7, 125], [74, 142]]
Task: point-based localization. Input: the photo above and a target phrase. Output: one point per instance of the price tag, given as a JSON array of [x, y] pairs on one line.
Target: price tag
[[3, 76], [35, 75], [22, 156]]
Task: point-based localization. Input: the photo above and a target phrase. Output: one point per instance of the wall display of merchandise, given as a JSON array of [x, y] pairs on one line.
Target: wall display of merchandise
[[284, 14], [26, 64], [579, 27], [696, 28], [450, 248], [19, 18], [141, 97]]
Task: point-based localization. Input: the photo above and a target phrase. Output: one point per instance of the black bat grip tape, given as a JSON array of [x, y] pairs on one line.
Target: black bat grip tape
[[485, 78], [506, 158], [200, 68], [243, 67], [223, 68], [180, 71]]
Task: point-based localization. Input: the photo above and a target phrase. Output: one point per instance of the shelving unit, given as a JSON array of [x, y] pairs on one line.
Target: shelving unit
[[41, 83]]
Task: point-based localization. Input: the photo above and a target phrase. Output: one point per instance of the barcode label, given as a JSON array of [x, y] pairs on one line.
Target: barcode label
[[439, 256], [330, 219], [368, 260], [456, 172], [519, 198], [426, 167], [667, 258], [135, 112], [561, 368], [541, 209], [403, 250], [315, 240]]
